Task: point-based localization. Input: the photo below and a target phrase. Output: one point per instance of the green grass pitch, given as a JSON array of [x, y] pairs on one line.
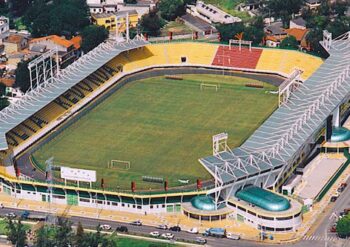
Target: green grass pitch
[[162, 127]]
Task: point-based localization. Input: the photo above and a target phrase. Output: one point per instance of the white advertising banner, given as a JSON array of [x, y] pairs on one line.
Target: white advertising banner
[[78, 174]]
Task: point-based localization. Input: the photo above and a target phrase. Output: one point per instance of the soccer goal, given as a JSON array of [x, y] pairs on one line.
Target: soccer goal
[[119, 164], [208, 85]]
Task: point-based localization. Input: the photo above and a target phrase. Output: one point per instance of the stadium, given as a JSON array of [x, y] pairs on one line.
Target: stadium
[[143, 114]]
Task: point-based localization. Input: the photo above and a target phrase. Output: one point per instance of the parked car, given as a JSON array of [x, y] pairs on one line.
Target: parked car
[[233, 236], [167, 235], [136, 223], [121, 229], [105, 227], [25, 215], [193, 230], [333, 228], [163, 227], [154, 234], [334, 198], [200, 240], [175, 228], [10, 215]]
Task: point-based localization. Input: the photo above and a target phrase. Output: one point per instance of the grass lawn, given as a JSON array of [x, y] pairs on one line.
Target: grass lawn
[[162, 127], [126, 242], [175, 27], [229, 6]]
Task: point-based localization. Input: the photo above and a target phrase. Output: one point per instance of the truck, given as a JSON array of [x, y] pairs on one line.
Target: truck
[[215, 232], [26, 215]]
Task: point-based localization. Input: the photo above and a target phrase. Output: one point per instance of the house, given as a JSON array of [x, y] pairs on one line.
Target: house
[[313, 4], [276, 30], [111, 20], [273, 39], [211, 14], [298, 23], [250, 5], [4, 27], [68, 50], [300, 35], [104, 6], [15, 43]]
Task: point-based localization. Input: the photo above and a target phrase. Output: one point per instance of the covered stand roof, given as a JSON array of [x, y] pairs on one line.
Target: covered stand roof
[[263, 198], [39, 97], [279, 138]]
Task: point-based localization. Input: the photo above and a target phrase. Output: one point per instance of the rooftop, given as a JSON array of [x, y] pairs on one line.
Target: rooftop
[[263, 198], [60, 41], [299, 34]]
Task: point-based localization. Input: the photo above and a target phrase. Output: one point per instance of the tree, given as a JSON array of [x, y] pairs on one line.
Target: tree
[[79, 236], [284, 9], [313, 38], [151, 23], [289, 42], [16, 233], [343, 227], [92, 36], [130, 1], [19, 7], [228, 31], [60, 17], [64, 233], [170, 9], [22, 76]]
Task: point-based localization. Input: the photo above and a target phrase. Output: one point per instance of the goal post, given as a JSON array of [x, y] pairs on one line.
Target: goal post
[[209, 85], [119, 164]]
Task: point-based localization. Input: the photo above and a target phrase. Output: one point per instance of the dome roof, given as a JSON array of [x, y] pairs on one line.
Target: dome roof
[[205, 203], [340, 134], [263, 198]]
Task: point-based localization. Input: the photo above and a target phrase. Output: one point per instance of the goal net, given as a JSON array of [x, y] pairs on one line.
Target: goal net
[[119, 164], [208, 85]]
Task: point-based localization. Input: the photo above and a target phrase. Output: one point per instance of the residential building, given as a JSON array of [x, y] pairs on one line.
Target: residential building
[[68, 50], [111, 20], [211, 14], [104, 6], [313, 4], [298, 23], [15, 43], [4, 27]]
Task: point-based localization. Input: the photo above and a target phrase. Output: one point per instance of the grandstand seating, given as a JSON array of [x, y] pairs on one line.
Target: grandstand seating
[[61, 104], [285, 61], [233, 57]]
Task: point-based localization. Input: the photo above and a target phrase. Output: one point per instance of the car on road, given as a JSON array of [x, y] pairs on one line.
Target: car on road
[[175, 229], [105, 227], [200, 240], [232, 236], [25, 215], [10, 215], [121, 229], [215, 232], [154, 234], [136, 223], [167, 235], [163, 227], [193, 230]]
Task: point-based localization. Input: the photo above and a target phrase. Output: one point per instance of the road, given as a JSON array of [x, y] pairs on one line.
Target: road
[[89, 223]]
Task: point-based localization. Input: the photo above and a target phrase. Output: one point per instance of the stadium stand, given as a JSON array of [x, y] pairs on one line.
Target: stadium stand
[[59, 106], [233, 57], [286, 60], [160, 54]]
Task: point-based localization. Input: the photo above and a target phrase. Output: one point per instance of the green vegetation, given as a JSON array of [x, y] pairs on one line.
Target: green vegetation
[[343, 226], [170, 9], [126, 242], [289, 42], [92, 36], [229, 7], [162, 127], [176, 28], [151, 23]]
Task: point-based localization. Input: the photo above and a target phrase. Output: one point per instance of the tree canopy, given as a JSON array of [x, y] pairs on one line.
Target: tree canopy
[[170, 9], [284, 9], [60, 17], [343, 226], [151, 23], [92, 36], [289, 42]]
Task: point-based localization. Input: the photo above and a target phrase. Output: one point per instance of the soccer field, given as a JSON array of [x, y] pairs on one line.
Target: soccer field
[[162, 127]]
